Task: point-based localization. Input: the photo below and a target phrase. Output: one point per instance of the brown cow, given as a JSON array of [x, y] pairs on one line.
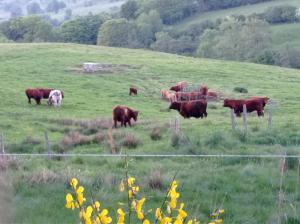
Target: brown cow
[[124, 114], [179, 86], [132, 91], [36, 94], [47, 91], [195, 109], [251, 105], [264, 99]]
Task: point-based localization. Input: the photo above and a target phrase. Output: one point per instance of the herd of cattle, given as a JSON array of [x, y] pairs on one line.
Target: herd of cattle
[[187, 103]]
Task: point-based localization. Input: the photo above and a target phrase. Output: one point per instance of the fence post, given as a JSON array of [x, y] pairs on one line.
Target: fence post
[[270, 114], [2, 144], [245, 117], [48, 146], [233, 124]]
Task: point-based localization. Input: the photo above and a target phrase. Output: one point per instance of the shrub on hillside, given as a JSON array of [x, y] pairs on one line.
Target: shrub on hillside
[[130, 141], [280, 14], [240, 90], [156, 134]]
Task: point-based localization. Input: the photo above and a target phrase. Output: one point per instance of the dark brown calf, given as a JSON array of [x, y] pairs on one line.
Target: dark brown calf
[[132, 91]]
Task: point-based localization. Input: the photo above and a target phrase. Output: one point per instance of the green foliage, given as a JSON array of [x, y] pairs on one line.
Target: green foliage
[[83, 29], [118, 33], [235, 40], [288, 57], [33, 8], [280, 14], [164, 42], [27, 29], [147, 25], [55, 6], [129, 9]]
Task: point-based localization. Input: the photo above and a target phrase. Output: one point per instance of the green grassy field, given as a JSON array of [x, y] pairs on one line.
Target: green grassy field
[[246, 188], [242, 10]]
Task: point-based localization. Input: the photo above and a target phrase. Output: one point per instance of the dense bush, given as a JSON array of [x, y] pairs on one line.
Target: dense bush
[[27, 29], [118, 33], [83, 29], [280, 14]]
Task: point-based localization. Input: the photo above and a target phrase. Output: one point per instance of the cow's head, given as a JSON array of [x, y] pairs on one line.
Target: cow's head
[[175, 106], [135, 114], [175, 88], [227, 103]]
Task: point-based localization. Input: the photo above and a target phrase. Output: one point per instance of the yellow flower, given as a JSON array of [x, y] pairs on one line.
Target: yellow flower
[[190, 221], [158, 214], [139, 209], [166, 220], [218, 221], [74, 183], [121, 218], [97, 206], [70, 201], [105, 219], [221, 211], [130, 181], [122, 186], [80, 197], [146, 221]]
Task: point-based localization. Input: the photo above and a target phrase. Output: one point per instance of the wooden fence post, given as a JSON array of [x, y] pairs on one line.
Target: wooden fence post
[[245, 117], [270, 114], [48, 146], [2, 144], [233, 124]]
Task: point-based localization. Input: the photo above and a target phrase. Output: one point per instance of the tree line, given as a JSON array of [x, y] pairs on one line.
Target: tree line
[[140, 24]]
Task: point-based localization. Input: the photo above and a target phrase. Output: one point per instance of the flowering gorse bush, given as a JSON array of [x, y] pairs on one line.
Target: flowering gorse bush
[[170, 212]]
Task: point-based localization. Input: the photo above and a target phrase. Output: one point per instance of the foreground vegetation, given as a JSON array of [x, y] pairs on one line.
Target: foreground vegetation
[[248, 189]]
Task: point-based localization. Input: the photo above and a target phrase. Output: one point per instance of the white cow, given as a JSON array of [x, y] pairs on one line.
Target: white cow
[[55, 98]]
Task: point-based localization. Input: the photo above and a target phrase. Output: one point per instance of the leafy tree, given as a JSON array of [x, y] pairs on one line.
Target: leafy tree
[[68, 14], [83, 29], [118, 33], [55, 6], [235, 40], [280, 14], [34, 8], [27, 29], [147, 26], [288, 57], [129, 9], [183, 45]]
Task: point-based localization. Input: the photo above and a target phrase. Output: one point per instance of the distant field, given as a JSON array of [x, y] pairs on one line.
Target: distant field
[[242, 10], [247, 188]]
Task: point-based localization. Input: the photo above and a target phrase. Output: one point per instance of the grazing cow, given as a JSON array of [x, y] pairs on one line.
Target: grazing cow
[[263, 99], [195, 109], [251, 105], [35, 94], [132, 91], [182, 96], [179, 86], [124, 114], [212, 95], [171, 97], [55, 98], [46, 92]]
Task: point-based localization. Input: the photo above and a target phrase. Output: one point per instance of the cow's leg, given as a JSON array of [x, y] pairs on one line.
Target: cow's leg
[[29, 99], [38, 101], [129, 123], [115, 123]]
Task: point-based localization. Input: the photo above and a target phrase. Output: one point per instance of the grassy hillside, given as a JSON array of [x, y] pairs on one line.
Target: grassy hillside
[[242, 10], [246, 188]]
